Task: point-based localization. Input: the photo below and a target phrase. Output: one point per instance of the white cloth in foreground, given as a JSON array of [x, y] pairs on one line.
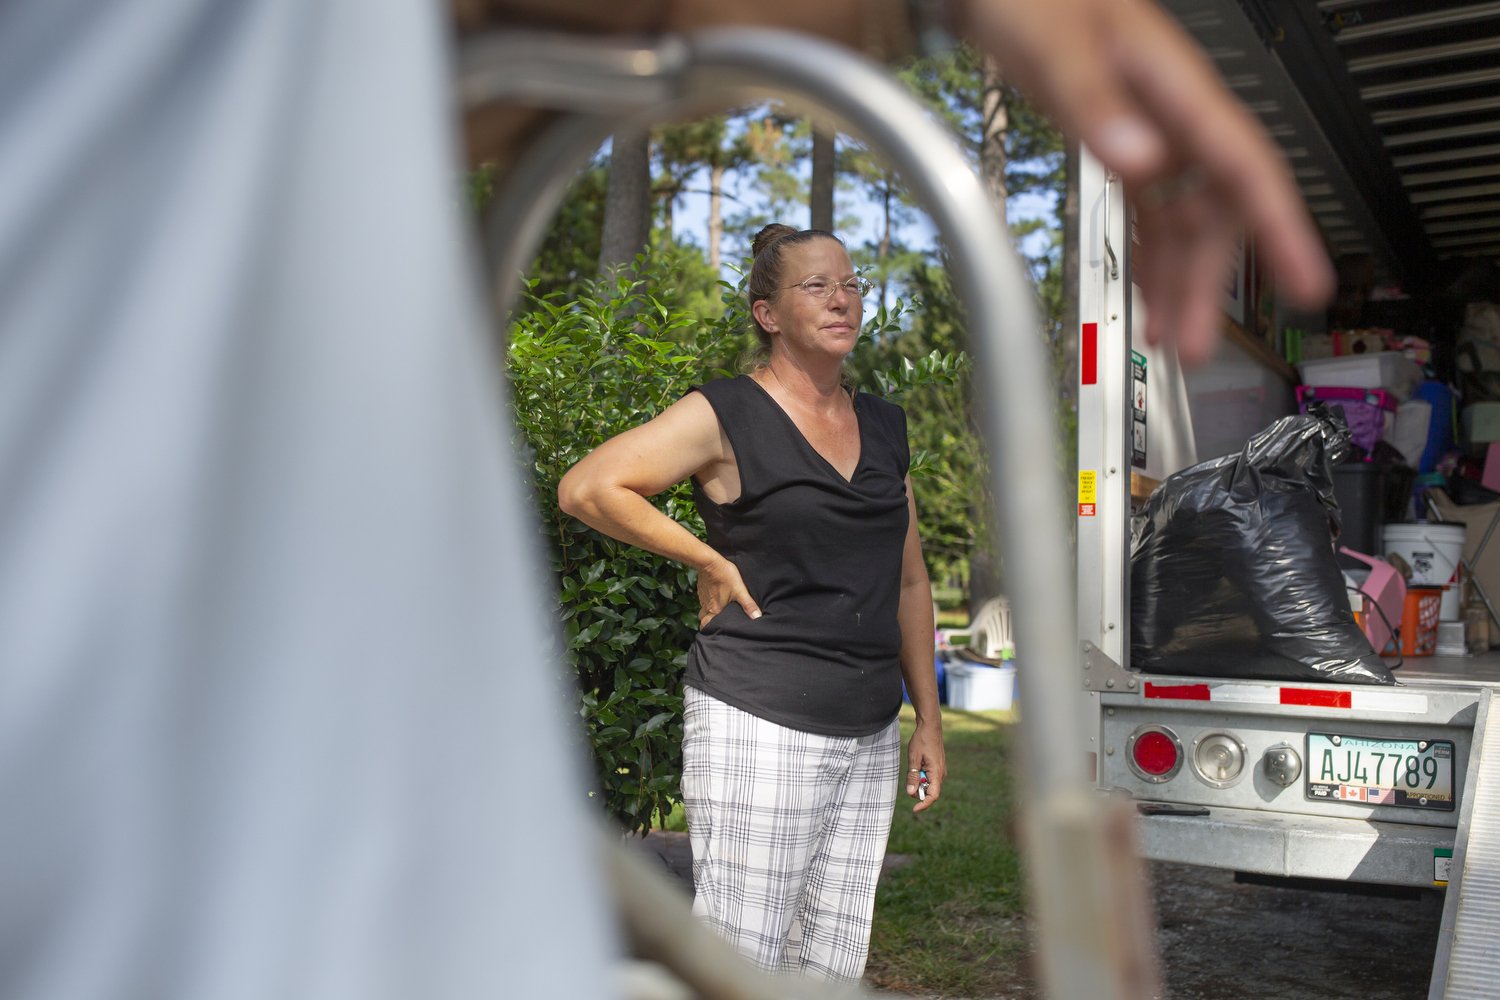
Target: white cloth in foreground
[[276, 713]]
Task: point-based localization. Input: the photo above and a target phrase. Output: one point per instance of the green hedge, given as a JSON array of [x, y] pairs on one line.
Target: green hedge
[[582, 371]]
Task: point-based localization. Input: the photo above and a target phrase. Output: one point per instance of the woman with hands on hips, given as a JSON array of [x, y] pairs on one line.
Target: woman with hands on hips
[[815, 606]]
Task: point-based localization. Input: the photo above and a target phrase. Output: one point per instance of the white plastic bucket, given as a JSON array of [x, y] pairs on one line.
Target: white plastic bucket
[[1433, 552]]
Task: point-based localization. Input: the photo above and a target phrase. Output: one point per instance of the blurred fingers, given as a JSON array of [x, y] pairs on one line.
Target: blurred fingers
[[1186, 242], [1211, 132], [1062, 54]]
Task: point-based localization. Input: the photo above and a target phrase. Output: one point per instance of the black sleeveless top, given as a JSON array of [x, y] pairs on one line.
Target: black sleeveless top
[[821, 555]]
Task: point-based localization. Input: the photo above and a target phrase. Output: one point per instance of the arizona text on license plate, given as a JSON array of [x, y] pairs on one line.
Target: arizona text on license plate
[[1381, 772]]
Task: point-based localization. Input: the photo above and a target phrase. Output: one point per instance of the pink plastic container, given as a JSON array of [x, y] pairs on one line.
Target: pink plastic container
[[1385, 588]]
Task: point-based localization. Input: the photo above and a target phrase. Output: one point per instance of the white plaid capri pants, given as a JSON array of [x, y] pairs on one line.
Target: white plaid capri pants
[[788, 831]]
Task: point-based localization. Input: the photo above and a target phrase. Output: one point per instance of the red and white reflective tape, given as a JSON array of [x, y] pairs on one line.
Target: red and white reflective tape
[[1363, 699]]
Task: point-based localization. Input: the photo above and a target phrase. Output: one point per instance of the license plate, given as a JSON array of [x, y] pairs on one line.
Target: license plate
[[1413, 773]]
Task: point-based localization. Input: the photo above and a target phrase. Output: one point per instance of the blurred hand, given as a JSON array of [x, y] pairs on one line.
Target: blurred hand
[[1125, 80], [719, 585]]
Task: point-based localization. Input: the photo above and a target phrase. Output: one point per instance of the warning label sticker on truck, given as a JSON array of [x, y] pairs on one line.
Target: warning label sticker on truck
[[1088, 492], [1138, 409]]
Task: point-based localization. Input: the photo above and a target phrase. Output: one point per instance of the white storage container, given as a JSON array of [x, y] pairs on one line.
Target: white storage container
[[1229, 399], [1389, 370], [976, 687]]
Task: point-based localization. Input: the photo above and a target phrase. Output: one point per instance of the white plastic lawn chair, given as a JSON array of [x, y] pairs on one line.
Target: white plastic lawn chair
[[988, 633]]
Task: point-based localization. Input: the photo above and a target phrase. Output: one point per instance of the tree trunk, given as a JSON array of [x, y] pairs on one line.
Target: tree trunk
[[992, 137], [715, 214], [668, 213], [984, 561], [820, 198], [627, 202], [1069, 345], [884, 250]]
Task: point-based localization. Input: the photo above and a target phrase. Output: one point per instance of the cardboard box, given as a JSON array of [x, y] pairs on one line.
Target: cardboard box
[[1479, 423], [1477, 517]]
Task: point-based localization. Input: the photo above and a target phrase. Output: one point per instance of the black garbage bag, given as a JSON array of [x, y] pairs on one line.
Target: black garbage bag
[[1233, 572]]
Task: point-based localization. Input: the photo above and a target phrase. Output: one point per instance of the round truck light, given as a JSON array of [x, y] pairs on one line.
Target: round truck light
[[1218, 759], [1154, 753]]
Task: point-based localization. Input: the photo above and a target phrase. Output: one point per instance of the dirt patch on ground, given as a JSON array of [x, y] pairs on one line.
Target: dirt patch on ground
[[1223, 939], [1220, 938]]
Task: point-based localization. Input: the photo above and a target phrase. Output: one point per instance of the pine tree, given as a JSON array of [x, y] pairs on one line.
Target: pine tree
[[820, 195]]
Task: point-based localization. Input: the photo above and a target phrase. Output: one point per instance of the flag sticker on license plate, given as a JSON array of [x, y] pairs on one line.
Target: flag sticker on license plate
[[1415, 774]]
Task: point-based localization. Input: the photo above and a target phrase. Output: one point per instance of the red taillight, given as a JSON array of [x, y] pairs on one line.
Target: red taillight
[[1155, 753]]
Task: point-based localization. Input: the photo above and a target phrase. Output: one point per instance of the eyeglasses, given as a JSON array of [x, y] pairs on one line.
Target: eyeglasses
[[820, 286]]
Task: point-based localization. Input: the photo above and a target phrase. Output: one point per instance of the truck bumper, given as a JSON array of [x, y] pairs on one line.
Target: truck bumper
[[1301, 846]]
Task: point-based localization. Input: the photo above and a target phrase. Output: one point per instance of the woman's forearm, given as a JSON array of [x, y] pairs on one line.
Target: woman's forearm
[[623, 514], [917, 669]]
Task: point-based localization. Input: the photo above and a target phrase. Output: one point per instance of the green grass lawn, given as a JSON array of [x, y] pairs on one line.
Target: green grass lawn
[[948, 922], [952, 618]]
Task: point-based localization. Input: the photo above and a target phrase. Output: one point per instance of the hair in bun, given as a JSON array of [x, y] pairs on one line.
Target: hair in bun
[[768, 235]]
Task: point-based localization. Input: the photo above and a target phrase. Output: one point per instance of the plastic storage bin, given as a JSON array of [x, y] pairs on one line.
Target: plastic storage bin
[[977, 687], [1359, 487], [1389, 370], [1379, 602], [940, 668], [1371, 413]]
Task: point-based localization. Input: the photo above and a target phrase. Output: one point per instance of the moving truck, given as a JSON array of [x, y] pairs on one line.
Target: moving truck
[[1389, 113]]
